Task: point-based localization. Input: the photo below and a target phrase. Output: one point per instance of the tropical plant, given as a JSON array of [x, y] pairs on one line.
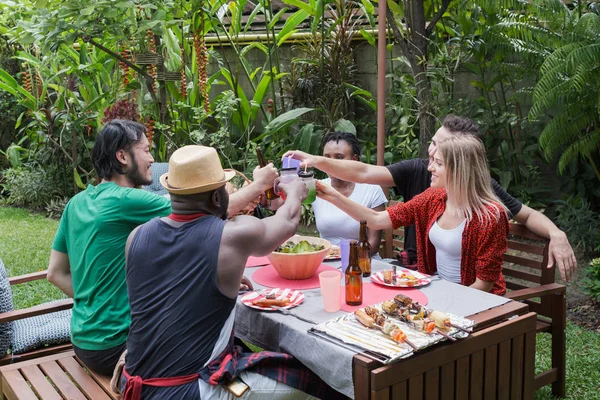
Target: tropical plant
[[324, 75], [569, 90]]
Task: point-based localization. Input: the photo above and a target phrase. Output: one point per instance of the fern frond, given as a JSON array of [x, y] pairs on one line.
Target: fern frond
[[584, 78], [589, 26], [552, 8], [585, 55], [525, 30], [584, 147], [549, 91], [565, 127], [557, 58]]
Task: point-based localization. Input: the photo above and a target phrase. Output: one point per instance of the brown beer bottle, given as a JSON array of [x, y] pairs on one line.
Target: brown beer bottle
[[269, 193], [354, 286], [364, 250]]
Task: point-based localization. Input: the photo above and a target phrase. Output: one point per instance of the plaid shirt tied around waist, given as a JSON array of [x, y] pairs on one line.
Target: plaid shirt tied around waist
[[231, 363]]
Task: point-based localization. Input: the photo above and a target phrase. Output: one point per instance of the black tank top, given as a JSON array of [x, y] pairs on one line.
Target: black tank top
[[178, 312]]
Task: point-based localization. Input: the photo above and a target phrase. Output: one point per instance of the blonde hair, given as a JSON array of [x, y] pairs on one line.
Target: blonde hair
[[468, 178]]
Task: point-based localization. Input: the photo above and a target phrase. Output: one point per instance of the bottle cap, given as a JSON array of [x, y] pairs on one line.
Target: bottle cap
[[288, 169]]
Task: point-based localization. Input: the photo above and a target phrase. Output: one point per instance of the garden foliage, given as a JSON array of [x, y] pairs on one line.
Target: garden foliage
[[529, 68]]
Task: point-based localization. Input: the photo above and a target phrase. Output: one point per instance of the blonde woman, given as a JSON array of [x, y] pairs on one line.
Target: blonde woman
[[461, 226]]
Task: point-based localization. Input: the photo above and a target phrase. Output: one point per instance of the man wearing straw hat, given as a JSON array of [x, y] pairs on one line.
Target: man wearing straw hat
[[183, 275], [87, 260]]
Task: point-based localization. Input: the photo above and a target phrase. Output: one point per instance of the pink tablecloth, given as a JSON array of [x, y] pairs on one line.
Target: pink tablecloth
[[373, 294]]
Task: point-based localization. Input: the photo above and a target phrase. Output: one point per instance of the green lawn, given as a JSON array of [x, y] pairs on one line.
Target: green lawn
[[25, 242], [26, 238]]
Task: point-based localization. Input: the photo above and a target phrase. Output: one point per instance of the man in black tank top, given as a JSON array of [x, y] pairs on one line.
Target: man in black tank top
[[183, 276], [410, 177]]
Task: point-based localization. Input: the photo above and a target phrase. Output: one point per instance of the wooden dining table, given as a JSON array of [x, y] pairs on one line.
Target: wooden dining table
[[495, 362]]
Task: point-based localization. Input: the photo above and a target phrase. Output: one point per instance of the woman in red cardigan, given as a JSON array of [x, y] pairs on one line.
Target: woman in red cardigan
[[461, 225]]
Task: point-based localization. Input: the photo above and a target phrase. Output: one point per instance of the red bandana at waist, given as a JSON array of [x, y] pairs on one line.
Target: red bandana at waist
[[133, 386], [186, 217]]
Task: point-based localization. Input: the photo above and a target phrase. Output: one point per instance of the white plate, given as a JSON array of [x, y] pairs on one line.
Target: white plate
[[296, 297], [421, 279]]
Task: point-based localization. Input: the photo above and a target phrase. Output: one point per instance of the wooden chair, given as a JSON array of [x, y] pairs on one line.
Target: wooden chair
[[392, 241], [528, 280], [32, 312]]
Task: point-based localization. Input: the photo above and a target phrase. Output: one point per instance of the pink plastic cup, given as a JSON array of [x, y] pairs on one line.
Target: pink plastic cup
[[330, 289]]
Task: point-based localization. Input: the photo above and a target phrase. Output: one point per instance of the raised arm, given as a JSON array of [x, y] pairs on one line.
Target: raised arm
[[245, 236], [559, 250], [347, 170], [263, 180], [376, 220]]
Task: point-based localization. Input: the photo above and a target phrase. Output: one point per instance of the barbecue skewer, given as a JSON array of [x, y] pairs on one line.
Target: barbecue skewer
[[368, 321], [460, 328], [405, 340]]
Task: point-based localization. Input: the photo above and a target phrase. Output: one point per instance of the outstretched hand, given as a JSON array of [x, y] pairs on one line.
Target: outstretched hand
[[561, 254], [326, 192], [306, 160]]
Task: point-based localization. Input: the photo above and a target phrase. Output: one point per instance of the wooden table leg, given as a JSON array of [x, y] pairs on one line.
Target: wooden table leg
[[361, 374]]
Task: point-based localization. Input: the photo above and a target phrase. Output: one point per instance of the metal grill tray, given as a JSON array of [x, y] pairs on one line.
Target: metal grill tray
[[349, 331]]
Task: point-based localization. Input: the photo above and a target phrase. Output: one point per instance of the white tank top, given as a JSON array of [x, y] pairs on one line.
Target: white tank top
[[448, 250]]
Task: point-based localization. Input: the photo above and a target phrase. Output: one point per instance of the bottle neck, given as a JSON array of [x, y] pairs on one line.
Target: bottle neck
[[353, 256], [363, 232]]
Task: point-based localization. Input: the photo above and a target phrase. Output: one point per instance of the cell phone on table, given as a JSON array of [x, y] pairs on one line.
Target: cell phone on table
[[237, 387]]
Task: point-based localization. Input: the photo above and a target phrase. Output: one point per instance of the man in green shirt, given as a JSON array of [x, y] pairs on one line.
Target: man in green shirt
[[87, 260]]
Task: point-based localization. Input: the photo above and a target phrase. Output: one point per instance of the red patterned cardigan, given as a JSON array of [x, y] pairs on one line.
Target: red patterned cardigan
[[483, 245]]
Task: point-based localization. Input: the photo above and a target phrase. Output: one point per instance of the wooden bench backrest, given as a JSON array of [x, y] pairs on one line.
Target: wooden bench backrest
[[525, 264], [393, 240]]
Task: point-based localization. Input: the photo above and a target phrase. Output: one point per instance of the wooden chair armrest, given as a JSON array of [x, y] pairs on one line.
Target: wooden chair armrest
[[36, 310], [34, 276], [538, 291]]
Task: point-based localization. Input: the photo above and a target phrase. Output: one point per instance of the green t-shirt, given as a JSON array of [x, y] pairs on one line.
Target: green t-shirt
[[93, 231]]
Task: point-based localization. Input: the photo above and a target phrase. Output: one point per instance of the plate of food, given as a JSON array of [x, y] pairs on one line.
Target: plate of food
[[335, 253], [264, 299], [404, 278]]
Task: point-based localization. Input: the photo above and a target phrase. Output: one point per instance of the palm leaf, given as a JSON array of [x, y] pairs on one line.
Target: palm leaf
[[587, 55], [585, 147], [565, 127]]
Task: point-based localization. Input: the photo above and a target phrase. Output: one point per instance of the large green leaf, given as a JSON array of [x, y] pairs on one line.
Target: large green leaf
[[259, 95], [8, 80], [343, 125], [302, 6], [283, 121], [290, 25], [78, 180]]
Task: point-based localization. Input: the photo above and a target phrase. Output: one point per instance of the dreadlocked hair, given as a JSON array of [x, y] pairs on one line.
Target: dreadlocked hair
[[347, 137]]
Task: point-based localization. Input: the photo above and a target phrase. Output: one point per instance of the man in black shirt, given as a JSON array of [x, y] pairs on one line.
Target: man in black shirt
[[410, 177]]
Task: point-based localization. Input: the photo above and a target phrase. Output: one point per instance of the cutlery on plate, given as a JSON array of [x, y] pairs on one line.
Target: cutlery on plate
[[285, 311]]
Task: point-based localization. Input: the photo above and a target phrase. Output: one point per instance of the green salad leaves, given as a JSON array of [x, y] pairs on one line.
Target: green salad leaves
[[302, 246]]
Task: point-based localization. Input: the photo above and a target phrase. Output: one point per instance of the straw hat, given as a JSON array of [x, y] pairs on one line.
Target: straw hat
[[195, 169]]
